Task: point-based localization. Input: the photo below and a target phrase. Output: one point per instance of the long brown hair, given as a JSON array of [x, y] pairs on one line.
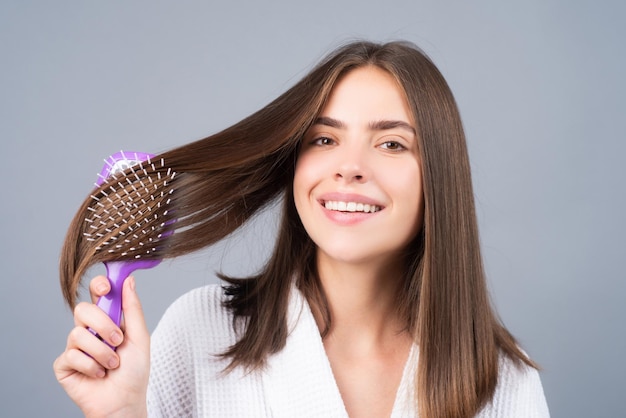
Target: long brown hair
[[224, 179]]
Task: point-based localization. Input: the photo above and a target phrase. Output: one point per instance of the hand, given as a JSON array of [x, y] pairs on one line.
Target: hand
[[103, 382]]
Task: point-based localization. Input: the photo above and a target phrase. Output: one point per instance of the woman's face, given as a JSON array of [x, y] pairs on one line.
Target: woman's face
[[358, 183]]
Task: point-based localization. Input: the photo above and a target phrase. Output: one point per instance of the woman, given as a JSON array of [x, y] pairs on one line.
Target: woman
[[374, 301]]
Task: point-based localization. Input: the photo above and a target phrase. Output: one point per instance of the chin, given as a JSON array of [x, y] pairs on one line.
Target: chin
[[353, 256]]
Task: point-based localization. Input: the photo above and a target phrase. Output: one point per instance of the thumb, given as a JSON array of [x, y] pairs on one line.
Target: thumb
[[135, 328]]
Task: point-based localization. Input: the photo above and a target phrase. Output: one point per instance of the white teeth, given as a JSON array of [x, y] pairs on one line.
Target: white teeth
[[350, 206]]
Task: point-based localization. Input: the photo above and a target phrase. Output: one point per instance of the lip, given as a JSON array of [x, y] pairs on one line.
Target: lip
[[348, 218]]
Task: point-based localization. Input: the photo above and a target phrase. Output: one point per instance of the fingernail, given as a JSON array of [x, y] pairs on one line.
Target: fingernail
[[100, 373], [101, 288], [131, 283], [116, 337], [112, 362]]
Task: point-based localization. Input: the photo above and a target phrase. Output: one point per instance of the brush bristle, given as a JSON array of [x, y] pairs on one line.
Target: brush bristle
[[129, 215]]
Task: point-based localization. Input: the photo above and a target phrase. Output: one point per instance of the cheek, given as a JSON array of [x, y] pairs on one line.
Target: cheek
[[298, 179], [307, 173], [301, 183], [406, 187]]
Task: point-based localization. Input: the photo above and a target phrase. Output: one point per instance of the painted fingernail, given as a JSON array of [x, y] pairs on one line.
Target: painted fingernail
[[116, 337]]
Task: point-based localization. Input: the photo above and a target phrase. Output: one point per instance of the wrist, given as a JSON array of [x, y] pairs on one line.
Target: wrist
[[133, 411]]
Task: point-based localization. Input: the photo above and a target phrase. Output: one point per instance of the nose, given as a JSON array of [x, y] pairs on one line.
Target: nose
[[352, 166]]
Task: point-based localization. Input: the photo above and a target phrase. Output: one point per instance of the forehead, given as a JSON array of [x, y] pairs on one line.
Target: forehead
[[370, 92]]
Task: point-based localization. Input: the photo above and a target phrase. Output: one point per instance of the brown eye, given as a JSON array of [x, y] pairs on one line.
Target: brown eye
[[323, 141], [392, 146]]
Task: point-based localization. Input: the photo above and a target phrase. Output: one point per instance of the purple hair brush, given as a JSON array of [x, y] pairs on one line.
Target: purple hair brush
[[129, 219]]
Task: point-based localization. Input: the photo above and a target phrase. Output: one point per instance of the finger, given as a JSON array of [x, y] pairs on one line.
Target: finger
[[135, 323], [92, 347], [99, 286], [75, 361], [88, 315]]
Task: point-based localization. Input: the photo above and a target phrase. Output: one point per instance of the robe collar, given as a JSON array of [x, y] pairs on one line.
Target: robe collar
[[299, 378]]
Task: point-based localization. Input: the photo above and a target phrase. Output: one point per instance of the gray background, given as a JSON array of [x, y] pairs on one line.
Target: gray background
[[541, 89]]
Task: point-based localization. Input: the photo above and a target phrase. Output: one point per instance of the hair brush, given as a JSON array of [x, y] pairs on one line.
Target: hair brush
[[129, 219]]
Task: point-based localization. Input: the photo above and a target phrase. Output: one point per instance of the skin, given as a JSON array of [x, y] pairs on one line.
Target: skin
[[363, 149], [97, 383], [349, 155]]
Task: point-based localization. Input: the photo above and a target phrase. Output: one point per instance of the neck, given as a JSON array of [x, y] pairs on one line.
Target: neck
[[362, 299]]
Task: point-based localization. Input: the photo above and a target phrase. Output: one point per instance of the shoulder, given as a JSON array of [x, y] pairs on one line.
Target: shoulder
[[201, 298], [198, 313], [196, 303], [185, 348], [519, 393]]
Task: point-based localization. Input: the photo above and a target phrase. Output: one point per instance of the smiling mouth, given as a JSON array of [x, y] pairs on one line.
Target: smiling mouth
[[351, 206]]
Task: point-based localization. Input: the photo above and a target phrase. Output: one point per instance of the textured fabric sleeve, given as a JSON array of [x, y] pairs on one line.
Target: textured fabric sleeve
[[519, 394], [170, 389]]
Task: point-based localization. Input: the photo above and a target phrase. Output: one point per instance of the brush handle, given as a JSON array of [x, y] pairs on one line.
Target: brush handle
[[117, 273]]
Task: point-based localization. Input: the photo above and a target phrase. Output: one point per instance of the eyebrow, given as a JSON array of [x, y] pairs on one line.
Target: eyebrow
[[381, 125]]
